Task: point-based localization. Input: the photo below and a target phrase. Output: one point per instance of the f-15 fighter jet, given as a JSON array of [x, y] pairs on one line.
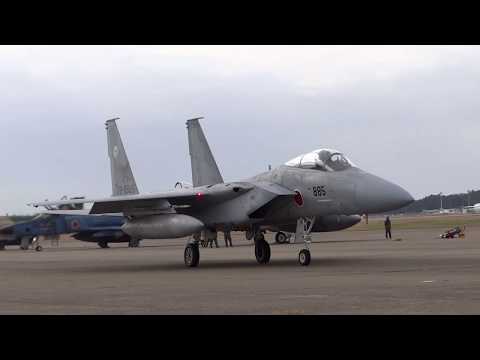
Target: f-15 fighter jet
[[301, 196]]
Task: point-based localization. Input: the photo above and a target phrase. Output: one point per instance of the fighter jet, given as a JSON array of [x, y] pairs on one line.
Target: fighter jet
[[70, 218], [301, 195], [101, 229]]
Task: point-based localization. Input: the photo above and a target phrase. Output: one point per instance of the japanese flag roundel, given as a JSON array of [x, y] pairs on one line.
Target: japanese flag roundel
[[298, 198], [75, 224]]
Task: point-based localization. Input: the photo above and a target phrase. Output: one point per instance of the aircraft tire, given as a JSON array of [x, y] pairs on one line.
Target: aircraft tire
[[191, 255], [262, 252], [280, 238], [249, 235], [133, 243], [103, 244], [304, 257], [38, 248]]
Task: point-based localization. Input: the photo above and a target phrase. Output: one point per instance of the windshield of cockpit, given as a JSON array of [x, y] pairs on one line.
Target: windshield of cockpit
[[323, 159]]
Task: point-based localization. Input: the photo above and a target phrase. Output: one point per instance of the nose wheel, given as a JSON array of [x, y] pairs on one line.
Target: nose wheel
[[304, 257], [304, 228]]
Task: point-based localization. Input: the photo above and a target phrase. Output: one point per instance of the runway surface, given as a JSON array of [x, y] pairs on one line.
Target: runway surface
[[352, 272]]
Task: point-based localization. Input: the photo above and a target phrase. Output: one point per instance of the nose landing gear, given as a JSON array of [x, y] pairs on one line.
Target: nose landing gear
[[304, 257], [304, 228]]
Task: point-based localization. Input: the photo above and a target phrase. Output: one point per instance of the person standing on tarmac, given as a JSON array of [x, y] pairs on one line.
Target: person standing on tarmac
[[227, 234], [388, 228], [212, 236]]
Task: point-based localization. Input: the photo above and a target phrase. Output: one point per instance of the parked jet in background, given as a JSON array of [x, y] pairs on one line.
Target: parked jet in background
[[472, 209], [101, 229], [70, 218], [299, 195]]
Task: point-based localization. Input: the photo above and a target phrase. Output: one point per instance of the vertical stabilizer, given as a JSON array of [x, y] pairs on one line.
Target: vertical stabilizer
[[123, 182], [204, 168]]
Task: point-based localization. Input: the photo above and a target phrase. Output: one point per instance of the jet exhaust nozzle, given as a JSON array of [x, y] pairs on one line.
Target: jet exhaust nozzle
[[165, 226]]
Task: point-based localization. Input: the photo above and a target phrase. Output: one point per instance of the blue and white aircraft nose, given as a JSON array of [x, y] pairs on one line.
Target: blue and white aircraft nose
[[375, 195]]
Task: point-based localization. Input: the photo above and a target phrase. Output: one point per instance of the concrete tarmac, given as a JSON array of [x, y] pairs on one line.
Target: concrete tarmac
[[352, 272]]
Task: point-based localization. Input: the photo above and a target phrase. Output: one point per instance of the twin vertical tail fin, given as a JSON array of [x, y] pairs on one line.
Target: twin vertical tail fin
[[123, 182], [204, 168]]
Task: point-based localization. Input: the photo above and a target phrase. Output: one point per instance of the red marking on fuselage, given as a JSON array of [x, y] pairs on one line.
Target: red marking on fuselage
[[75, 224], [298, 198]]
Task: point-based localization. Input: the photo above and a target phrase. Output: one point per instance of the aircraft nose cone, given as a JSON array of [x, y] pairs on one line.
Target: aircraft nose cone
[[375, 195]]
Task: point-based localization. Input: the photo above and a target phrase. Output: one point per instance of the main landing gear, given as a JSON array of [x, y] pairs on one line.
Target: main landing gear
[[25, 242], [103, 244], [191, 255], [133, 243], [281, 238], [262, 249], [36, 244]]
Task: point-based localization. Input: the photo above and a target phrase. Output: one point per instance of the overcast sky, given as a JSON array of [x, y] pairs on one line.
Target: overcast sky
[[406, 113]]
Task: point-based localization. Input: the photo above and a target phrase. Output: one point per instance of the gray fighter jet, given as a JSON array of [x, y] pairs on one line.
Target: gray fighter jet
[[313, 192]]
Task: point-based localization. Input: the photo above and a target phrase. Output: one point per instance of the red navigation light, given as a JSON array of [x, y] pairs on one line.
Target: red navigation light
[[199, 195]]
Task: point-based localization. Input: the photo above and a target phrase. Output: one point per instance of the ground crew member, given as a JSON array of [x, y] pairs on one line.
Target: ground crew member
[[388, 228], [227, 234], [212, 236], [197, 238]]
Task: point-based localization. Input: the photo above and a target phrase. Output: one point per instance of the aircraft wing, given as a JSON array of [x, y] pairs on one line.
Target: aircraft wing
[[160, 202], [197, 198], [75, 212]]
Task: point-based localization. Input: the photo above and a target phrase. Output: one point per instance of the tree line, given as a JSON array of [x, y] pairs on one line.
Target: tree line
[[433, 202]]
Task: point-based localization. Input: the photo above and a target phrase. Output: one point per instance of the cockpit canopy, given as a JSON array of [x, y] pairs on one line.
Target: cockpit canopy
[[322, 159]]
